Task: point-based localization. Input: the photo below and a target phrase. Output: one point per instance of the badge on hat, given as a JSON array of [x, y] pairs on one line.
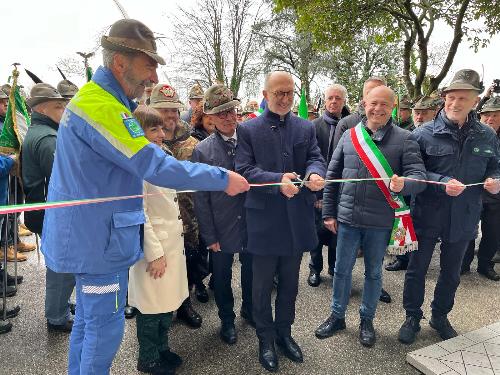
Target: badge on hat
[[167, 91], [133, 126]]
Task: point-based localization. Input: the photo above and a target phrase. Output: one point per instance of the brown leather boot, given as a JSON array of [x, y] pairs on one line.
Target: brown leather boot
[[11, 257], [23, 247]]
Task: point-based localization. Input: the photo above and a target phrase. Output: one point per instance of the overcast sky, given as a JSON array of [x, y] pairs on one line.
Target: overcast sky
[[38, 33]]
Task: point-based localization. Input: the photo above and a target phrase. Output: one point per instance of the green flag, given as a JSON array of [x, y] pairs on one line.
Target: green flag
[[303, 113], [395, 111], [88, 73], [16, 121]]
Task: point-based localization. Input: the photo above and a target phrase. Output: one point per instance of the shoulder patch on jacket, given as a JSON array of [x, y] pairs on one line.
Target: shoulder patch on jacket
[[109, 118]]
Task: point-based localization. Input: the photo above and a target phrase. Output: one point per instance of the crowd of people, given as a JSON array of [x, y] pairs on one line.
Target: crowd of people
[[215, 184]]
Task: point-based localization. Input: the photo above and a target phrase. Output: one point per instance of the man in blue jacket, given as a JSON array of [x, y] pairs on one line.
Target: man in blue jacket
[[279, 147], [102, 152], [457, 150]]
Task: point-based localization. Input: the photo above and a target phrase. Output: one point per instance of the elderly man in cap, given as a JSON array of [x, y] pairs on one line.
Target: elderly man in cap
[[180, 144], [195, 98], [457, 150], [278, 147], [37, 158], [490, 215], [102, 152], [220, 217], [404, 115], [425, 109]]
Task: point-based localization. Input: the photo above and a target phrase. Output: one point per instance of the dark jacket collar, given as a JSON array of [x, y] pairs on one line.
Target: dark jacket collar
[[275, 118], [443, 125], [105, 78], [381, 132], [40, 119]]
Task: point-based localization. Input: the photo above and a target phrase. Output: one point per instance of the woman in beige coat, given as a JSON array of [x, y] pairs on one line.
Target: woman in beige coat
[[158, 282]]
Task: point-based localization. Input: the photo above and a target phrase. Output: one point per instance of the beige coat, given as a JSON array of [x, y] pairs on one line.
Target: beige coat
[[162, 237]]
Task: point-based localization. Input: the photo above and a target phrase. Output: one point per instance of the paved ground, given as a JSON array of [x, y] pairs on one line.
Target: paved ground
[[29, 349]]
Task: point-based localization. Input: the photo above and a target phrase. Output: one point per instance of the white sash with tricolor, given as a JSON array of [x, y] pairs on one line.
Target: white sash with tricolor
[[403, 238]]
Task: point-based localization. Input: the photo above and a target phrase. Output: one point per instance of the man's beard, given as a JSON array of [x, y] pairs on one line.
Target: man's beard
[[136, 86]]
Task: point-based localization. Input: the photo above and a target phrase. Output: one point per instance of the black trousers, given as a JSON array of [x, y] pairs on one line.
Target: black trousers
[[287, 269], [490, 240], [449, 276], [222, 266], [326, 238]]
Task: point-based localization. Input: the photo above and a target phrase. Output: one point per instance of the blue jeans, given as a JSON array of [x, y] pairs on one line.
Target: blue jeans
[[374, 243], [99, 322], [58, 289]]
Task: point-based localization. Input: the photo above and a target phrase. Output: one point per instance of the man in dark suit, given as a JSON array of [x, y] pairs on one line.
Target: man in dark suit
[[278, 147], [335, 109]]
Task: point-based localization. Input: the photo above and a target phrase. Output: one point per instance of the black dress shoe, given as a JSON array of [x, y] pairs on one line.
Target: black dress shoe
[[443, 326], [170, 358], [5, 326], [11, 280], [188, 315], [130, 312], [66, 327], [409, 330], [267, 356], [367, 333], [201, 293], [329, 327], [155, 368], [489, 273], [396, 265], [385, 297], [314, 279], [290, 348], [10, 292], [228, 333], [12, 313], [247, 315]]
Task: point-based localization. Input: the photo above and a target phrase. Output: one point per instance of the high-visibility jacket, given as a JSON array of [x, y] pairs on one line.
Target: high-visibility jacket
[[102, 152]]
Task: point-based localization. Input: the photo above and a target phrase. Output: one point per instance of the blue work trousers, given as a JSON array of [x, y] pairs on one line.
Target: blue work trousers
[[99, 322]]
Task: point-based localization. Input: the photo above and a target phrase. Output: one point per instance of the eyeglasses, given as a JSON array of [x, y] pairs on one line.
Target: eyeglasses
[[226, 114], [282, 94]]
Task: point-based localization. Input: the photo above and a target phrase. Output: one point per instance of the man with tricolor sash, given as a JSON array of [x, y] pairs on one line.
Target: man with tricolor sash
[[457, 151], [102, 152], [370, 214]]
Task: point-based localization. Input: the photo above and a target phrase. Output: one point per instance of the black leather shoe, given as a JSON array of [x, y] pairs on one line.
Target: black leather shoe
[[10, 292], [409, 329], [267, 356], [5, 326], [314, 279], [329, 327], [385, 297], [201, 293], [12, 313], [396, 265], [290, 348], [247, 315], [155, 368], [489, 273], [66, 327], [170, 358], [367, 333], [228, 333], [188, 315], [11, 280], [130, 312], [443, 326]]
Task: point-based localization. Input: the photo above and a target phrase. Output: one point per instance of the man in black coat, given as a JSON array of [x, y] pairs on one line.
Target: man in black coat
[[359, 212], [37, 158], [335, 99], [221, 217], [277, 147], [457, 150]]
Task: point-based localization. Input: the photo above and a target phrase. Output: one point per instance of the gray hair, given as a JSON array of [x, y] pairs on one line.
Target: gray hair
[[376, 79], [108, 56], [336, 86]]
